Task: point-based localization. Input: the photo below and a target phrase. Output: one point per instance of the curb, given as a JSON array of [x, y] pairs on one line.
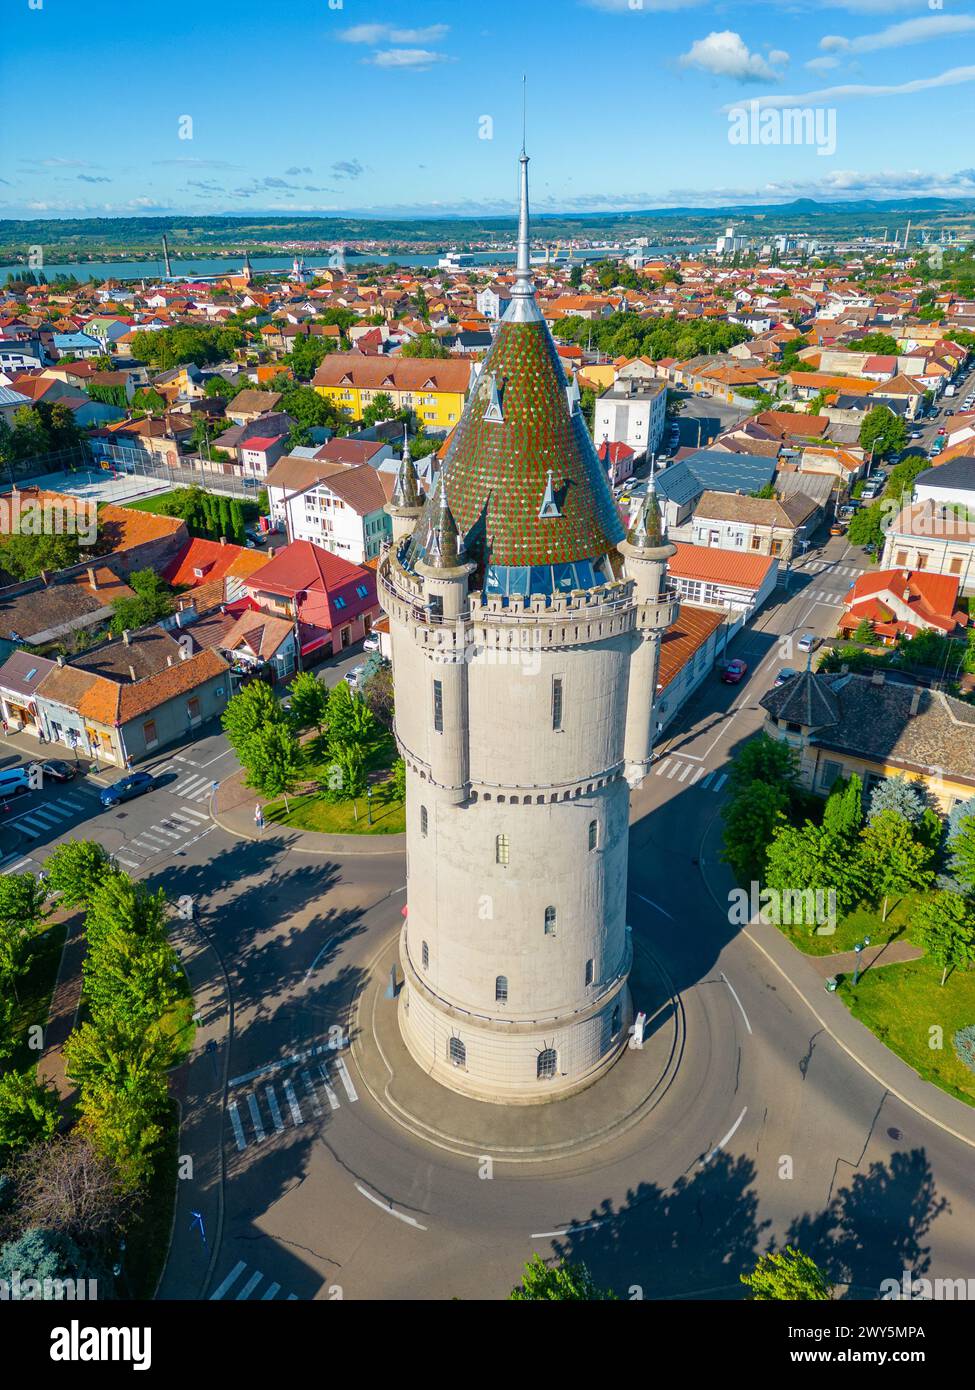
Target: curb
[[864, 1066], [350, 843]]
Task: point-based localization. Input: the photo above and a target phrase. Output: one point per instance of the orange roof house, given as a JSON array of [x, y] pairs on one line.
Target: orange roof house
[[902, 603]]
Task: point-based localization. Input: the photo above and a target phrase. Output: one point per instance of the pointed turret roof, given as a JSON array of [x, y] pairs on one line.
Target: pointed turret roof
[[406, 493], [444, 546], [647, 530], [497, 469]]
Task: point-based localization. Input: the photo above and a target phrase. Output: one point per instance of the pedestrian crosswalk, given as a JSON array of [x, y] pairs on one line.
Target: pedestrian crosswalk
[[173, 831], [832, 600], [191, 788], [310, 1091], [51, 816], [249, 1287], [690, 774], [819, 566]]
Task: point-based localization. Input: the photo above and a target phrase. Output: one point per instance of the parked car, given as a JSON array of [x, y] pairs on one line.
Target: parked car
[[354, 677], [734, 671], [58, 770], [808, 642], [126, 788], [837, 528], [371, 643], [785, 675]]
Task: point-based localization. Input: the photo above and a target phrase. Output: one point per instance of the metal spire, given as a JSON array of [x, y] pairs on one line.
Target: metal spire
[[523, 306], [406, 493]]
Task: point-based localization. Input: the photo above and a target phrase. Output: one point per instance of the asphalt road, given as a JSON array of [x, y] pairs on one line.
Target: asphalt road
[[769, 1130]]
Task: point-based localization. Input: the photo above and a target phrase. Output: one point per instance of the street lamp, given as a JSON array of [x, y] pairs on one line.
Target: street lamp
[[859, 949], [369, 803]]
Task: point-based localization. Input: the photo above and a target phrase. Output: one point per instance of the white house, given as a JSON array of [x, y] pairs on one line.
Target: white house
[[337, 506], [632, 411]]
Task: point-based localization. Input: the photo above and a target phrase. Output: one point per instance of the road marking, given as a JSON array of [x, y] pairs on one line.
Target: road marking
[[275, 1109], [737, 1000], [687, 772], [129, 863], [255, 1116], [708, 779], [191, 817], [293, 1061], [659, 768], [250, 1286], [333, 1099], [292, 1099], [699, 772], [655, 905], [567, 1230], [675, 768], [721, 781], [160, 829], [384, 1206], [270, 1291], [311, 1092], [231, 1278], [16, 868], [234, 1114], [346, 1079], [730, 1135]]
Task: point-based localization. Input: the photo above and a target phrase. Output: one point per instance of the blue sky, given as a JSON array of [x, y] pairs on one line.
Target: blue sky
[[362, 106]]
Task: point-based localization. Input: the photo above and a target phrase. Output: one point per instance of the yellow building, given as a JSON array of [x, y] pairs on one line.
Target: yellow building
[[433, 388]]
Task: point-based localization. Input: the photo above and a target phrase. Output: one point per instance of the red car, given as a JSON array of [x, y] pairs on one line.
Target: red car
[[734, 671]]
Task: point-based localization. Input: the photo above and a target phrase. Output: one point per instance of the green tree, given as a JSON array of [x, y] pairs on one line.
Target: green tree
[[843, 812], [398, 779], [882, 431], [50, 1258], [75, 869], [309, 701], [751, 818], [251, 709], [24, 556], [152, 600], [272, 760], [883, 344], [961, 846], [564, 1282], [864, 632], [130, 981], [424, 345], [347, 774], [945, 927], [147, 398], [120, 901], [350, 719], [28, 1111], [809, 861], [866, 527], [22, 900], [381, 407], [897, 794], [895, 861], [788, 1275], [763, 759]]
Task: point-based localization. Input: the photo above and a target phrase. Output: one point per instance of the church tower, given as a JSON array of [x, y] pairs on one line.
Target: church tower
[[526, 626]]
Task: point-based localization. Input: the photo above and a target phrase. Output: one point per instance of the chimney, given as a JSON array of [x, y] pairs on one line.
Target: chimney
[[92, 577], [184, 654], [877, 678], [169, 660], [907, 595], [915, 701], [270, 553], [60, 658], [127, 637], [223, 540], [132, 674]]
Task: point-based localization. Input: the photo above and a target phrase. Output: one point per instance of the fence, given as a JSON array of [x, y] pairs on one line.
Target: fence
[[85, 458]]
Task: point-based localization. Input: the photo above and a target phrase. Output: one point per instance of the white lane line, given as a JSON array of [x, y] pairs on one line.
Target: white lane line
[[272, 1104], [333, 1099], [346, 1079], [674, 769], [150, 848], [384, 1206], [170, 834], [294, 1060], [698, 774], [292, 1099], [721, 781], [660, 767], [270, 1291], [16, 868], [687, 772], [730, 1135], [129, 863], [656, 905], [311, 1092], [188, 817], [255, 1116], [567, 1230], [231, 1278], [250, 1286], [189, 784], [708, 780], [234, 1114], [737, 1000]]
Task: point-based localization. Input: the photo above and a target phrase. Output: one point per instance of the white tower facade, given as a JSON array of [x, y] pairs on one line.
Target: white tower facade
[[525, 630]]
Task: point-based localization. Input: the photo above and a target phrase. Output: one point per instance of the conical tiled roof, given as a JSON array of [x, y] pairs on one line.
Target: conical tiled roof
[[647, 531], [517, 425]]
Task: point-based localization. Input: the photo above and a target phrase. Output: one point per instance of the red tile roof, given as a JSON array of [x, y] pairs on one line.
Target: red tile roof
[[720, 566], [211, 557]]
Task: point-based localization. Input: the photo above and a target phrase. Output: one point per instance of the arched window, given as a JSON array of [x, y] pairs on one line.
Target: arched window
[[593, 834], [548, 1061], [501, 850], [457, 1052], [501, 989], [550, 921], [423, 820], [425, 956]]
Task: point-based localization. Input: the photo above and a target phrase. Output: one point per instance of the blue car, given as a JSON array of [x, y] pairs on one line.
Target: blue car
[[124, 790]]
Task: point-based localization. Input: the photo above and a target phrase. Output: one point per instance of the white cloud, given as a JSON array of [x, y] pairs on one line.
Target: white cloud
[[909, 31], [388, 33], [725, 54], [418, 58], [778, 57], [822, 64], [645, 7], [954, 77]]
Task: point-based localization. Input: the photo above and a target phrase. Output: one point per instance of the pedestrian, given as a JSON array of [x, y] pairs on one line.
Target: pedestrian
[[258, 817]]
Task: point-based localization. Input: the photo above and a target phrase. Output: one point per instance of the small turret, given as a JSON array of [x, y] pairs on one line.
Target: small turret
[[444, 547], [406, 505], [647, 531]]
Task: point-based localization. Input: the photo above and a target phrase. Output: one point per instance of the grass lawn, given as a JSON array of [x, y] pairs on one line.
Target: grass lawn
[[161, 504], [147, 1241], [310, 811], [863, 921], [35, 988], [178, 1024], [902, 1003]]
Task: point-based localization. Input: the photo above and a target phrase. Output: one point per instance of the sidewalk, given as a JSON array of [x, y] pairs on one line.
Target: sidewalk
[[65, 999], [232, 807], [806, 975]]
